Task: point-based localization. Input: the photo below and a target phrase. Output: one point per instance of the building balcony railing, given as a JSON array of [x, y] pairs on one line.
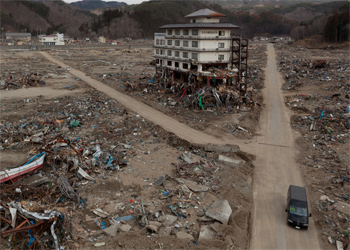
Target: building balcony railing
[[159, 46], [193, 61], [193, 49], [190, 37]]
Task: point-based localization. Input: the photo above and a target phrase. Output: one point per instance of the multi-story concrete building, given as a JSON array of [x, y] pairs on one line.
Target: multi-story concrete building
[[198, 46]]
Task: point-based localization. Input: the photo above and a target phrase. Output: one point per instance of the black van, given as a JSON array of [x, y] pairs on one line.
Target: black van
[[297, 208]]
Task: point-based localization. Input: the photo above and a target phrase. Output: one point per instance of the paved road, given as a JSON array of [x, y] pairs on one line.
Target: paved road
[[275, 165]]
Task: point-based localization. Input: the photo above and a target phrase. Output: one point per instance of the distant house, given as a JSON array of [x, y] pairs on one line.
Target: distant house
[[113, 42], [101, 39], [18, 36], [55, 39]]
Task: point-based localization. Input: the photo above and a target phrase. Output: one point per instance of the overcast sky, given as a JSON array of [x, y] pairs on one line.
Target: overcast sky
[[125, 1]]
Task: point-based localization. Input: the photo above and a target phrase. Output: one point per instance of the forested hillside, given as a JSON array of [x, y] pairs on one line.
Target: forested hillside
[[297, 19], [42, 17], [97, 4]]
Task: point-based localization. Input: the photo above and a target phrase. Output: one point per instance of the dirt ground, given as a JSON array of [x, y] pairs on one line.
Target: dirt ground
[[317, 91], [144, 152]]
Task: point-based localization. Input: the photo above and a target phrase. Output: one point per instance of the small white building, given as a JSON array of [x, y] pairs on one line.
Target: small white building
[[101, 39], [55, 39], [196, 46]]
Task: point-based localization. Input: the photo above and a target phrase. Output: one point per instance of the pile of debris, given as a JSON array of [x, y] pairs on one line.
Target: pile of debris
[[299, 71], [29, 80], [88, 151], [322, 77]]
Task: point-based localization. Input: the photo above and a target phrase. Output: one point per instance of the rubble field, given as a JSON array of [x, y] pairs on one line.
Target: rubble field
[[110, 178], [119, 69], [317, 89]]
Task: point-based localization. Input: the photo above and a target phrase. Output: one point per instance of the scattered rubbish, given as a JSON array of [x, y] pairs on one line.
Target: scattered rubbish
[[220, 210], [100, 244], [206, 233], [35, 163], [184, 236], [231, 162], [125, 218], [99, 212], [84, 174]]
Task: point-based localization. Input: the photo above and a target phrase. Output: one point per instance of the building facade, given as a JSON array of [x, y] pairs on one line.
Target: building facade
[[101, 39], [18, 36], [56, 39], [197, 46]]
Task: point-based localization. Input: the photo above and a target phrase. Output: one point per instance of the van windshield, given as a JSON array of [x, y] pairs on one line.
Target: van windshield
[[300, 211]]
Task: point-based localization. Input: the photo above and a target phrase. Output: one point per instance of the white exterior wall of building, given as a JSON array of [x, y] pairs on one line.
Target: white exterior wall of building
[[51, 40], [182, 47], [207, 20], [208, 50]]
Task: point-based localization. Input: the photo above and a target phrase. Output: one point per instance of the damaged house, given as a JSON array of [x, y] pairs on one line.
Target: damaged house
[[203, 52]]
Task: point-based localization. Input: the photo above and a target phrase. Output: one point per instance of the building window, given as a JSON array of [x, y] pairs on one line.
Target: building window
[[194, 32], [157, 41], [176, 64], [169, 52], [195, 56], [162, 52], [221, 45], [194, 44], [193, 20], [161, 62], [170, 32], [221, 33], [185, 43], [185, 65], [157, 51], [170, 63], [185, 54], [177, 54], [177, 32], [221, 57], [157, 61], [170, 42], [186, 33], [177, 42]]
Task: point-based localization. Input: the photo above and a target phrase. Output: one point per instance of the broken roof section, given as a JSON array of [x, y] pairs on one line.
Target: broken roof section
[[205, 13]]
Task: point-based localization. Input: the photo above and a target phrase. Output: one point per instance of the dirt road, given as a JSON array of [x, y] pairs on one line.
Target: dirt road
[[35, 92], [275, 164], [168, 123], [275, 170]]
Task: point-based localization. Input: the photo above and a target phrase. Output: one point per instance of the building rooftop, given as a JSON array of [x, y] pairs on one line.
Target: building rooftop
[[18, 34], [200, 25], [205, 13]]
